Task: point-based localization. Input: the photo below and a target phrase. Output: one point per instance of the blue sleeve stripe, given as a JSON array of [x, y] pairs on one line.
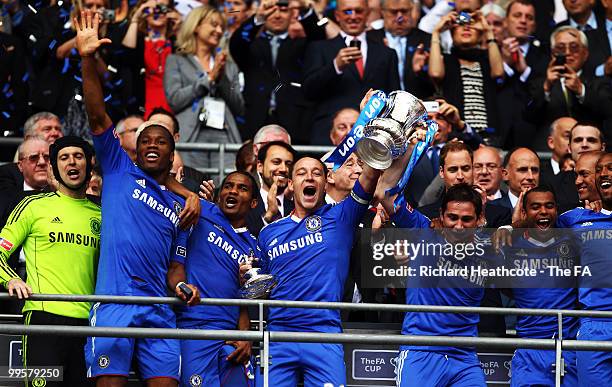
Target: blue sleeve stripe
[[359, 195]]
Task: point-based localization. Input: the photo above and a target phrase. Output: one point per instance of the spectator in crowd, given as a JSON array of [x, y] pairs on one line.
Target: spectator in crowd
[[342, 123], [521, 172], [456, 161], [425, 185], [468, 75], [525, 58], [585, 177], [126, 129], [605, 68], [153, 25], [274, 163], [567, 163], [568, 90], [94, 187], [13, 100], [558, 144], [272, 61], [57, 264], [582, 16], [339, 71], [487, 169], [409, 43], [202, 86], [267, 134], [245, 158], [496, 17], [236, 12], [584, 137]]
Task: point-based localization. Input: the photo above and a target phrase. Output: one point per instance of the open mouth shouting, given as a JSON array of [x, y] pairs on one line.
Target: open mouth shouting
[[152, 156], [231, 202], [605, 186], [543, 223], [73, 174], [310, 193]]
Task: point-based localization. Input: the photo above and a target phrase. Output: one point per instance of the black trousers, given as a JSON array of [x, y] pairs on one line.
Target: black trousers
[[45, 351]]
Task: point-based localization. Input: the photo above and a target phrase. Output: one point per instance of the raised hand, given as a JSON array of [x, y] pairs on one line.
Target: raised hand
[[87, 40]]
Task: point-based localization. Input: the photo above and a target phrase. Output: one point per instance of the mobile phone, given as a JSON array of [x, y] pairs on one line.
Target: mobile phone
[[108, 14], [186, 291], [560, 60], [431, 106], [355, 43], [282, 3]]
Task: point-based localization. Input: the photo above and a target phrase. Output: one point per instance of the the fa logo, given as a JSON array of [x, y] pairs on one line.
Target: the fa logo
[[313, 223], [195, 380], [103, 361]]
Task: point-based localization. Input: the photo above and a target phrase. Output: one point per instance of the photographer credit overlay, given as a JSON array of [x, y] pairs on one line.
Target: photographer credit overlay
[[474, 258]]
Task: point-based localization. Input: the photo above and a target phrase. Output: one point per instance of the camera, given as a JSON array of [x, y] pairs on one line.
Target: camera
[[431, 106], [161, 9], [282, 3], [463, 19], [108, 14]]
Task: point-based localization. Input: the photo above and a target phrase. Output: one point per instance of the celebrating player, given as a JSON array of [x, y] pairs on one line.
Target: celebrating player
[[218, 244], [540, 247], [308, 253], [140, 226], [60, 234]]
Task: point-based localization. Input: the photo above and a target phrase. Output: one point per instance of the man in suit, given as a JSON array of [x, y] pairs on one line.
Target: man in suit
[[568, 90], [267, 134], [409, 44], [456, 160], [487, 170], [339, 71], [342, 123], [581, 15], [524, 59], [274, 163], [521, 172], [272, 65], [44, 125], [558, 144], [605, 68], [126, 130]]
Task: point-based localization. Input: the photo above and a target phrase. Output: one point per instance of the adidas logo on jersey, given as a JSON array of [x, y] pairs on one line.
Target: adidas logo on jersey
[[141, 182], [56, 220], [586, 224], [275, 241]]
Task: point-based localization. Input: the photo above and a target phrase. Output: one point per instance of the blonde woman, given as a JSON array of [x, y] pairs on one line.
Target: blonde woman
[[202, 87]]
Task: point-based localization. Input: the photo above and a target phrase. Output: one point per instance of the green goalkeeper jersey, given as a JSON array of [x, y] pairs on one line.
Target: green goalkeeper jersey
[[60, 237]]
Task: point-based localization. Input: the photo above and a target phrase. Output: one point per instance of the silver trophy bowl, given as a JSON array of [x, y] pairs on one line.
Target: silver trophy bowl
[[386, 138], [257, 285]]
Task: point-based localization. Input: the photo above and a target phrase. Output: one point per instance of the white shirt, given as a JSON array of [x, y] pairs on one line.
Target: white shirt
[[398, 43], [264, 197], [513, 199], [26, 187], [510, 71], [555, 166], [364, 47], [592, 22], [496, 195]]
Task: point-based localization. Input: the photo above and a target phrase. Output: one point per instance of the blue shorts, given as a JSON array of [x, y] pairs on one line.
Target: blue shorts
[[203, 363], [156, 358], [594, 368], [320, 364], [425, 368], [535, 367]]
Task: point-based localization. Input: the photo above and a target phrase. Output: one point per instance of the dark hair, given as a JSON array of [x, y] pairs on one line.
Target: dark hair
[[325, 169], [524, 2], [161, 110], [511, 152], [167, 134], [540, 188], [251, 179], [462, 192], [593, 124], [245, 156], [263, 152], [454, 146]]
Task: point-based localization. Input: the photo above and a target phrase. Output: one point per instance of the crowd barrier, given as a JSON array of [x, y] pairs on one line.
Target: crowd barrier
[[221, 149], [265, 337]]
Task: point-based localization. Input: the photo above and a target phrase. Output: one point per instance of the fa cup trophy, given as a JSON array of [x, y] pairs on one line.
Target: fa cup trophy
[[387, 137], [256, 285]]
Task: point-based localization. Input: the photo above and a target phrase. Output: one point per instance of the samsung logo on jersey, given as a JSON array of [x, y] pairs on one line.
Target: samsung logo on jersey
[[596, 234], [233, 252], [74, 238], [154, 204], [543, 263], [295, 244]]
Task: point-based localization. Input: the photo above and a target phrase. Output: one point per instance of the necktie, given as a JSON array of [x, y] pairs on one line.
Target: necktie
[[274, 45], [586, 28], [278, 203], [435, 159], [359, 64]]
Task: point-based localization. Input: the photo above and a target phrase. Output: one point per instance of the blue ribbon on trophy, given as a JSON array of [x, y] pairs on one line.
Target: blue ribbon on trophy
[[373, 107], [417, 152]]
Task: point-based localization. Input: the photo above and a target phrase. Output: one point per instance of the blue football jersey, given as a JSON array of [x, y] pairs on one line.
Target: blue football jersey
[[544, 291], [593, 231], [310, 259], [139, 225], [216, 251], [442, 290]]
